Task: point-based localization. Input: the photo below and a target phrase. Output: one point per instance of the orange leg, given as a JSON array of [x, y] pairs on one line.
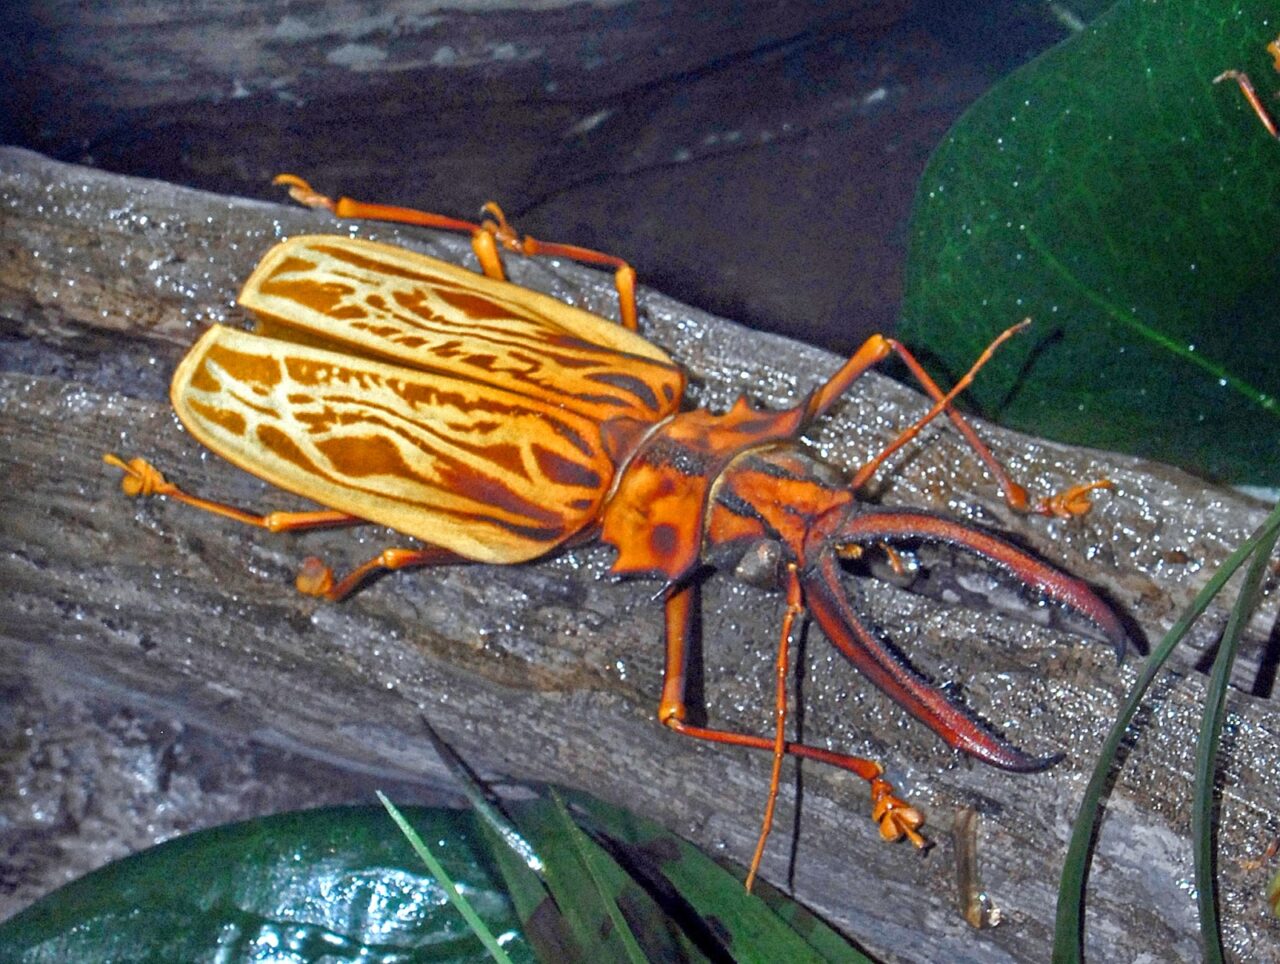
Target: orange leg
[[1070, 502], [316, 579], [795, 606], [141, 478], [1251, 95], [486, 236], [896, 818]]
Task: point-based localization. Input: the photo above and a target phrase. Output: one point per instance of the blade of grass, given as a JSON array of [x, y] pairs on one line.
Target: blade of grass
[[487, 808], [1207, 749], [1068, 935], [605, 875], [545, 927], [589, 907], [451, 891], [757, 930]]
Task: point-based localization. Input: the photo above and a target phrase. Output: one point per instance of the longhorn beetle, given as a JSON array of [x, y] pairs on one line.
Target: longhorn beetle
[[497, 425]]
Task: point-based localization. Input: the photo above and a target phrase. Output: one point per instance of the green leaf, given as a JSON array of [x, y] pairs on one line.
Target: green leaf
[[752, 928], [1111, 191], [544, 926], [1068, 936], [441, 876], [1215, 715], [610, 916], [337, 883]]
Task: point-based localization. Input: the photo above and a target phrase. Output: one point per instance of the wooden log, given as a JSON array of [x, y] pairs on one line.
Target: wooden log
[[550, 671]]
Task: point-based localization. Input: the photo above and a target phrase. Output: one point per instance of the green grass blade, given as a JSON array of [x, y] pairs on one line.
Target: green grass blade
[[1068, 928], [545, 927], [486, 808], [1207, 750], [596, 896], [455, 896], [606, 877], [755, 928]]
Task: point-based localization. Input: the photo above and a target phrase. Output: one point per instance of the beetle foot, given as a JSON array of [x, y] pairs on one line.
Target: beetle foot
[[896, 817], [141, 478], [1071, 502], [314, 578], [304, 193]]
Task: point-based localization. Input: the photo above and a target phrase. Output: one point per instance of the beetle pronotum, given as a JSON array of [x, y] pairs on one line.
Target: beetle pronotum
[[498, 425]]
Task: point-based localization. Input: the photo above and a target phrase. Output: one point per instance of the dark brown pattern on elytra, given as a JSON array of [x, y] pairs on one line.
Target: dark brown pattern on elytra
[[283, 447], [435, 322], [248, 369], [515, 474], [473, 305], [326, 298], [565, 471], [233, 422], [487, 491], [360, 456]]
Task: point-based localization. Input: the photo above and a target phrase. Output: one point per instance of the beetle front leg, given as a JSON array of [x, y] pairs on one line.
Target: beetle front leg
[[895, 817], [795, 606], [1070, 502], [1251, 95]]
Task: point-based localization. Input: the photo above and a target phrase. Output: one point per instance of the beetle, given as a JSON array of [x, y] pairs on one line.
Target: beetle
[[499, 425]]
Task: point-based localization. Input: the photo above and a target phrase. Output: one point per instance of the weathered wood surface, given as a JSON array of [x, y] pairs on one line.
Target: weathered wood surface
[[550, 671]]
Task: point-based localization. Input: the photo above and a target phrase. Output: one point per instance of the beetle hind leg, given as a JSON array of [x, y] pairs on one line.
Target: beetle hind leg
[[487, 235], [142, 479]]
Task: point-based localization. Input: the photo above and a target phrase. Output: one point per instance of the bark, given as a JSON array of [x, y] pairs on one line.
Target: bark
[[551, 671]]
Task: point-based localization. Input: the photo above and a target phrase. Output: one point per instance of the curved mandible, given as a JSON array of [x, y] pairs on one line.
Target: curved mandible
[[827, 602]]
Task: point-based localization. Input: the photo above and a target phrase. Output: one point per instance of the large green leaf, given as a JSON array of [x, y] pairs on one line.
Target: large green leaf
[[1114, 193], [337, 884], [343, 884], [752, 929]]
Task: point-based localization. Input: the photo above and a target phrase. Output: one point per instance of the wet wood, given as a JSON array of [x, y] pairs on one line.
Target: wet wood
[[550, 672]]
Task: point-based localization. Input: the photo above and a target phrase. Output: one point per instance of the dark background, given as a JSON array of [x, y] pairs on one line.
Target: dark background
[[756, 159]]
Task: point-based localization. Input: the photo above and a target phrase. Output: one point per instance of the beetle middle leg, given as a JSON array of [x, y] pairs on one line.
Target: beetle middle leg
[[317, 579]]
